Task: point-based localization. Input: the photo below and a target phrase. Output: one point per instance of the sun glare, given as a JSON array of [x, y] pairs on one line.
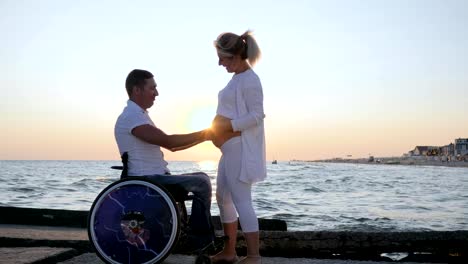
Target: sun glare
[[207, 165], [200, 117]]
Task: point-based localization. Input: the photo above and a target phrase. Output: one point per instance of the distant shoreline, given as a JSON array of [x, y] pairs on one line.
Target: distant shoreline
[[399, 161]]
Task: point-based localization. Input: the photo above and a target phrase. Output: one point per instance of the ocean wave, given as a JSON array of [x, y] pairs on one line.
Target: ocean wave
[[23, 189], [313, 189]]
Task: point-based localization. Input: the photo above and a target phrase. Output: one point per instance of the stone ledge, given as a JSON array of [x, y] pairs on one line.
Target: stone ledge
[[365, 244], [297, 244], [74, 218], [37, 255]]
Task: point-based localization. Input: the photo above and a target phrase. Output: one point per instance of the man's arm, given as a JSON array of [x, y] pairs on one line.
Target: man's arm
[[207, 135], [156, 136]]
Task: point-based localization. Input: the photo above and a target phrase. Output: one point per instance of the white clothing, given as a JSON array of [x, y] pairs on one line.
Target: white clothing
[[144, 158], [242, 101], [232, 194]]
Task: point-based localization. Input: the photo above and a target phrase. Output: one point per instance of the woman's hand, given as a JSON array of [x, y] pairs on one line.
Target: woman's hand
[[222, 130]]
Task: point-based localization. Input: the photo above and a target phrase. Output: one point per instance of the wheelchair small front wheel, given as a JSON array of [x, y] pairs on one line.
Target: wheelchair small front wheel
[[133, 221]]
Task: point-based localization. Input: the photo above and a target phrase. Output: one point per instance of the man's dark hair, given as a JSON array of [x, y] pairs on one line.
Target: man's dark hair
[[136, 78]]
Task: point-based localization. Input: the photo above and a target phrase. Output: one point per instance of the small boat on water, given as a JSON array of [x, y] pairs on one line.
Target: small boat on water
[[274, 162]]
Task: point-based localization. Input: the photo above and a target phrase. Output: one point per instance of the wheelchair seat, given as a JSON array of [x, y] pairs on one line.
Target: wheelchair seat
[[179, 193]]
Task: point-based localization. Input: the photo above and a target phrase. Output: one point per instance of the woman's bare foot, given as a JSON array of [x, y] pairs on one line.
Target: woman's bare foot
[[222, 258], [251, 260]]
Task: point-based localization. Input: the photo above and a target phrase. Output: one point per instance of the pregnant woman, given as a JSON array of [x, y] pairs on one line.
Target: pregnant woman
[[240, 134]]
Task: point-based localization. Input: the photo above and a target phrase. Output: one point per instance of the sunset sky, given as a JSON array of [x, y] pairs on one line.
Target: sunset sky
[[339, 77]]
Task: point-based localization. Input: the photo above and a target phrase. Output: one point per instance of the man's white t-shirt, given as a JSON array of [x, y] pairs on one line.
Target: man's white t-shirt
[[144, 158]]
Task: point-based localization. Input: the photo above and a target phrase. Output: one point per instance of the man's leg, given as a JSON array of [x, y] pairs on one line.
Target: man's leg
[[200, 185], [200, 218]]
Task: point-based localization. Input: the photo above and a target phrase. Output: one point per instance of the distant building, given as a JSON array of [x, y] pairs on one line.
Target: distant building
[[461, 146], [433, 151], [419, 151], [448, 150]]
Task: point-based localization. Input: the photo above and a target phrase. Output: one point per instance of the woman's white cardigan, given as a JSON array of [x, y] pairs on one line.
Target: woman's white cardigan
[[249, 102]]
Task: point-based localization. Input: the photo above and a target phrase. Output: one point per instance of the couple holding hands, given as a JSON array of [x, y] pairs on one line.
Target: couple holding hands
[[237, 130]]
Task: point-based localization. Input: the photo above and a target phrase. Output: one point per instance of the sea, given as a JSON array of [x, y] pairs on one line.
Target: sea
[[309, 196]]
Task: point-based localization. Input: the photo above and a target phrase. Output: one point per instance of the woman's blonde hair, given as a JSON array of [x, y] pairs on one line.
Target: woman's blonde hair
[[229, 44]]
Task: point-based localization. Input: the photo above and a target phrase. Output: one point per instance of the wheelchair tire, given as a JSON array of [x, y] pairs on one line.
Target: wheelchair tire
[[133, 221]]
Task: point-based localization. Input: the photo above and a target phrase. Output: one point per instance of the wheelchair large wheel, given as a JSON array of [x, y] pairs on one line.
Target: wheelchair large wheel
[[133, 221]]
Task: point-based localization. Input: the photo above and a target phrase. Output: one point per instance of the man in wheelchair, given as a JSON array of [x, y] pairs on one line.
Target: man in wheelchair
[[138, 136]]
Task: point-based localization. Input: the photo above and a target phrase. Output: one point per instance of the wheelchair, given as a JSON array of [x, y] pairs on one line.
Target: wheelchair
[[137, 220]]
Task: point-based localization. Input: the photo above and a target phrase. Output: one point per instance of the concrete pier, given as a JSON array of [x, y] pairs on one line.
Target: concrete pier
[[53, 255], [67, 242], [45, 244]]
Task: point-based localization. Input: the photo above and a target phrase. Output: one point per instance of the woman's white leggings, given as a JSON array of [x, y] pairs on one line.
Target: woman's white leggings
[[233, 195]]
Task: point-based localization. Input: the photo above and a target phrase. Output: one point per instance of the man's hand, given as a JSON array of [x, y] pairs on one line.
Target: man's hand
[[208, 134]]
